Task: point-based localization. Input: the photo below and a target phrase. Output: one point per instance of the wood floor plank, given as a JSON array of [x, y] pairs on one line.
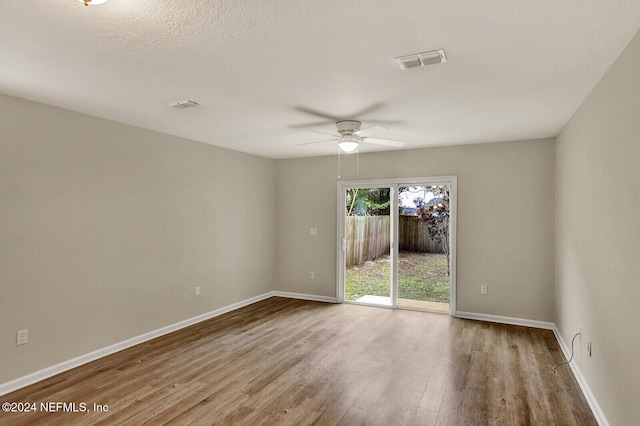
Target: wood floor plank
[[294, 362]]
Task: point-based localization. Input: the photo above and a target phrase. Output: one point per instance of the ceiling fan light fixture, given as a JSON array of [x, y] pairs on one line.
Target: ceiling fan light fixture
[[92, 2], [348, 146]]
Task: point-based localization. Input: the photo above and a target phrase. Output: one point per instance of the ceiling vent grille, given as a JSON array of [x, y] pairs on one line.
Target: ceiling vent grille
[[421, 59], [183, 104]]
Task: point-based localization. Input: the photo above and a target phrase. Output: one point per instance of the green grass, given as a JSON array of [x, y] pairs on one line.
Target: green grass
[[421, 276]]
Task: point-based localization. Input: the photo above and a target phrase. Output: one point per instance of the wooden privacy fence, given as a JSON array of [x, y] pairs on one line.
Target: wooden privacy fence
[[367, 237]]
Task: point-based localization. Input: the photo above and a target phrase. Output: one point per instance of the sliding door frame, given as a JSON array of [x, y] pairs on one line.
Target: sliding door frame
[[394, 184]]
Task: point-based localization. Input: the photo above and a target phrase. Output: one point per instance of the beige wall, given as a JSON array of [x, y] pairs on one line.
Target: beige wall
[[106, 229], [598, 237], [505, 221]]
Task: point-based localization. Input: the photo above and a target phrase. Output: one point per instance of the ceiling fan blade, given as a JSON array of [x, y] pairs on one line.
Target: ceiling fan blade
[[368, 109], [307, 125], [363, 133], [384, 122], [385, 142], [325, 133], [326, 140], [317, 113]]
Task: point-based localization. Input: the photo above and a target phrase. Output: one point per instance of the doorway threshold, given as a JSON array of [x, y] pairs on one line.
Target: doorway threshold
[[419, 305], [374, 300]]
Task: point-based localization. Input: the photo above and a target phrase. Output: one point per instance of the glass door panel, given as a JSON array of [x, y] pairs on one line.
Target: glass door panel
[[368, 266], [424, 247]]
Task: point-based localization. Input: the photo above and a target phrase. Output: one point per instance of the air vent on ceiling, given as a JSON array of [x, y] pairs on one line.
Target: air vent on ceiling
[[421, 59], [183, 103]]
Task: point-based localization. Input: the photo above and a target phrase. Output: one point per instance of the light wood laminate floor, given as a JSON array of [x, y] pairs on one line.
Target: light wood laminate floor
[[424, 306], [293, 362]]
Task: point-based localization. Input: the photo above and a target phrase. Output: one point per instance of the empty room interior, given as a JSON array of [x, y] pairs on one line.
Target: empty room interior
[[176, 180]]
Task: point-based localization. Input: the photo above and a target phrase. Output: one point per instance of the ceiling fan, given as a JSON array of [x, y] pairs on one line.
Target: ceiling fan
[[350, 136]]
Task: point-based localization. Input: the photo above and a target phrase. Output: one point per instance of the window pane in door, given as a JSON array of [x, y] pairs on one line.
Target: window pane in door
[[367, 277]]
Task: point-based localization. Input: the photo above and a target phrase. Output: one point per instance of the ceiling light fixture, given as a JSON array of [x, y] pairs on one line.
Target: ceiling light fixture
[[92, 2], [348, 143]]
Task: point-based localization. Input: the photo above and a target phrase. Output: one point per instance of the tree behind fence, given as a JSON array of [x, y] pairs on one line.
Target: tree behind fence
[[367, 237], [413, 235]]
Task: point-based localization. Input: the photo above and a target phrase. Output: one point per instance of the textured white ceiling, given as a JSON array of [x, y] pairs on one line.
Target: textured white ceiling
[[516, 69]]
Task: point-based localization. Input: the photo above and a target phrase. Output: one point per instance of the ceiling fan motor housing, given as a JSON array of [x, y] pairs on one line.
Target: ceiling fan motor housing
[[348, 127]]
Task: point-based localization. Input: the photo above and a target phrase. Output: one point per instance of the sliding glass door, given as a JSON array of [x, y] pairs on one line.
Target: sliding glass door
[[396, 243]]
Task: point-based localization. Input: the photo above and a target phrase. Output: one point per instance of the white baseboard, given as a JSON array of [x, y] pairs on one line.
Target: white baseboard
[[45, 373], [506, 320], [586, 391], [303, 296]]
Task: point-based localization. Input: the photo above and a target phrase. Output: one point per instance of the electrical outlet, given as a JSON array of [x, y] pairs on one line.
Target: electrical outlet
[[197, 290], [484, 289], [22, 337], [313, 231], [312, 276]]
